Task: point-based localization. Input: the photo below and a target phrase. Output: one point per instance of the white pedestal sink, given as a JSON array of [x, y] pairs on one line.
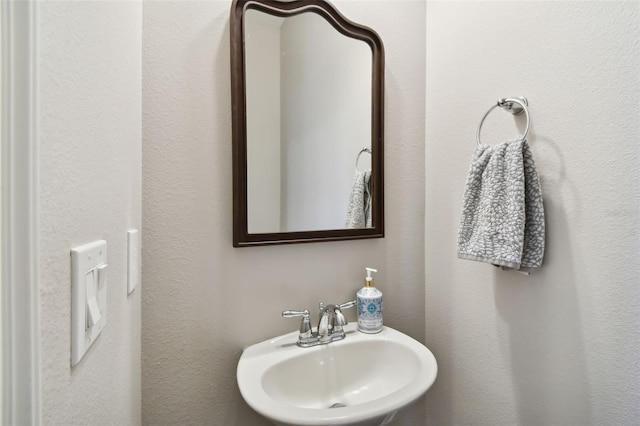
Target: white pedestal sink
[[361, 380]]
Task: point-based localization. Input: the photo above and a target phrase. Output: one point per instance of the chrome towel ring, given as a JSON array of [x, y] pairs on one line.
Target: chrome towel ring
[[508, 105]]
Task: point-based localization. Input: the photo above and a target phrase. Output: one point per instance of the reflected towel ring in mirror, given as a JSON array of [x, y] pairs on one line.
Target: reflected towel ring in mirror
[[365, 149], [508, 105]]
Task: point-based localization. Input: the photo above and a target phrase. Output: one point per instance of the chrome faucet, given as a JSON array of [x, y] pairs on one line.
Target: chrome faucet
[[330, 325]]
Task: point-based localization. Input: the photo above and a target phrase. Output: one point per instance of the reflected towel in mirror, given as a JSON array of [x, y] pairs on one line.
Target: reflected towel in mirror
[[359, 210]]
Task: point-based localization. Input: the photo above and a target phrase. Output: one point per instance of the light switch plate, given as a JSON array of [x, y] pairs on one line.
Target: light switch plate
[[133, 261], [88, 296]]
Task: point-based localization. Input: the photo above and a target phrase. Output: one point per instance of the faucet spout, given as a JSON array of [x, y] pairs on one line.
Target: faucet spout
[[327, 321]]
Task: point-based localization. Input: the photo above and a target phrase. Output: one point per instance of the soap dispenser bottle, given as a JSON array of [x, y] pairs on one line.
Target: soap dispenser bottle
[[369, 306]]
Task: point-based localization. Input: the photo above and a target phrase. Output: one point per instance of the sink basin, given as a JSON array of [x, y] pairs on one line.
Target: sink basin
[[364, 379]]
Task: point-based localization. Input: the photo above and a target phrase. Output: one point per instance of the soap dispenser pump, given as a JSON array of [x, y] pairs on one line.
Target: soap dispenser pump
[[369, 305]]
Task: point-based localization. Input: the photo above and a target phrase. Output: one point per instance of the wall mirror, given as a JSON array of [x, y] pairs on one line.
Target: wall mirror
[[307, 88]]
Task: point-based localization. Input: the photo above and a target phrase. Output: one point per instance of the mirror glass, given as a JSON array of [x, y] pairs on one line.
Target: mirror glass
[[308, 117], [307, 92]]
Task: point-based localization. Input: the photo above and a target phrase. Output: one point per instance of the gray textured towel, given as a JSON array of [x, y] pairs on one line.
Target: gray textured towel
[[502, 215], [359, 211]]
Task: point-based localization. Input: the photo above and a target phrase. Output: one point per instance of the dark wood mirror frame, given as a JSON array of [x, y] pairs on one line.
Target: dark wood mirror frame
[[241, 236]]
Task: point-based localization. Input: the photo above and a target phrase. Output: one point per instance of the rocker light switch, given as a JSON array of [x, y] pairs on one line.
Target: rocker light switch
[[88, 296], [92, 309]]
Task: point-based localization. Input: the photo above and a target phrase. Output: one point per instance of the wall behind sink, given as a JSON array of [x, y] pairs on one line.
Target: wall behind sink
[[202, 299]]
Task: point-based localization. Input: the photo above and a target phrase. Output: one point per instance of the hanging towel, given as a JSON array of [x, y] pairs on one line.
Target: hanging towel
[[502, 214], [359, 209]]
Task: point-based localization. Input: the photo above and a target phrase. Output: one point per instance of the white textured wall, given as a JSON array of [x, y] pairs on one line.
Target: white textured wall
[[204, 300], [89, 136], [561, 346]]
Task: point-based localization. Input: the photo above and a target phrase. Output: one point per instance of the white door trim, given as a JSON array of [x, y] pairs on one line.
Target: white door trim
[[20, 290]]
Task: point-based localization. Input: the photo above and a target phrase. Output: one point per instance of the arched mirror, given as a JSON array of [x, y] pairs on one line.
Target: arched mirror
[[307, 89]]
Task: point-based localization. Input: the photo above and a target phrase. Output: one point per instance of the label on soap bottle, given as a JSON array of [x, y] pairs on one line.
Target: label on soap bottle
[[370, 314]]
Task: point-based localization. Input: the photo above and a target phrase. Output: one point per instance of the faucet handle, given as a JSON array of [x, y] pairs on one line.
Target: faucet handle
[[305, 324], [291, 314], [349, 304], [340, 320]]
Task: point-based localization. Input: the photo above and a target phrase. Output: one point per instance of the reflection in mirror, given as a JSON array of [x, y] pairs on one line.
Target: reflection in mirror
[[307, 108], [308, 117]]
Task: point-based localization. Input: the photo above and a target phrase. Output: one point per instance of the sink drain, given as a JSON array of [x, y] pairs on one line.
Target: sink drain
[[337, 405]]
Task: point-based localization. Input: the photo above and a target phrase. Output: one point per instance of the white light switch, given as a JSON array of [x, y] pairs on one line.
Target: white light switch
[[88, 296], [91, 295], [133, 260]]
